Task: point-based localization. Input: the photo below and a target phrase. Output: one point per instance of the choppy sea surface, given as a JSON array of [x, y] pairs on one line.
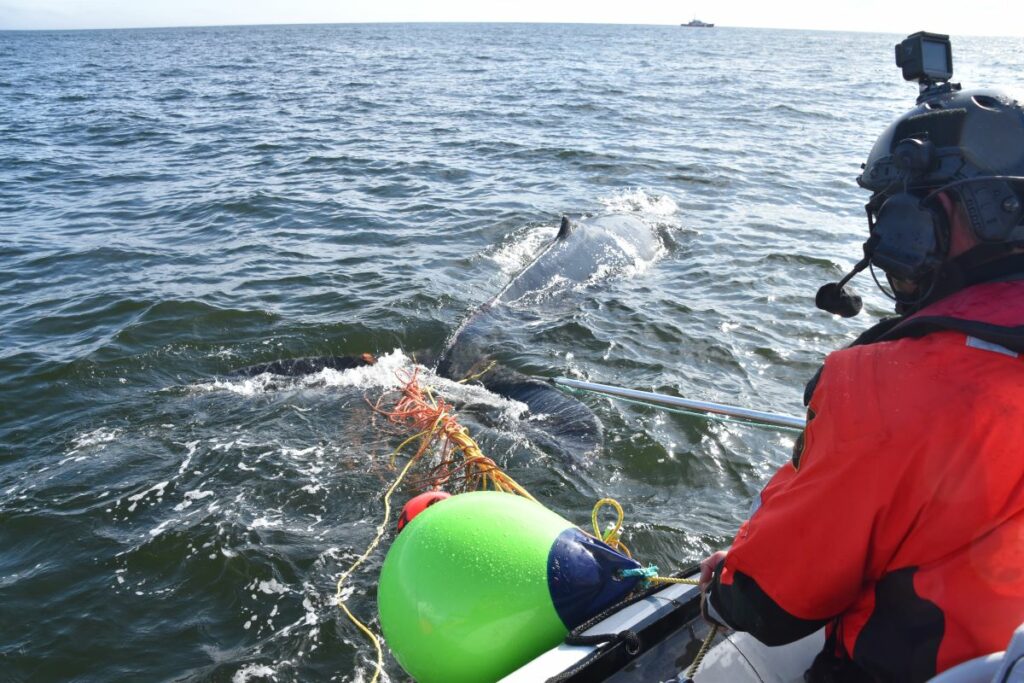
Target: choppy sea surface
[[176, 204]]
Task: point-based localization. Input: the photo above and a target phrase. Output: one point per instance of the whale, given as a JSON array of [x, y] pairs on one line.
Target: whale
[[582, 253]]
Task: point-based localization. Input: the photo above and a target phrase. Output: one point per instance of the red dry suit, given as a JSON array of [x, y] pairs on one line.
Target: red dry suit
[[900, 522]]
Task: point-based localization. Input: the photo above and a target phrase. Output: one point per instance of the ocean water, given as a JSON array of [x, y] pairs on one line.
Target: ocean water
[[176, 204]]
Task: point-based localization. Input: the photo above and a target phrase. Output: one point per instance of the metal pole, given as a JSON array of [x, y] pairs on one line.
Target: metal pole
[[675, 402]]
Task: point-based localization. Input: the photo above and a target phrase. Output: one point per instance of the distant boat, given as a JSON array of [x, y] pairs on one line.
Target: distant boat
[[697, 23]]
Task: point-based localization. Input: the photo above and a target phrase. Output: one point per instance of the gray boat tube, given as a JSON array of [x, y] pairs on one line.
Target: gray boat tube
[[759, 417]]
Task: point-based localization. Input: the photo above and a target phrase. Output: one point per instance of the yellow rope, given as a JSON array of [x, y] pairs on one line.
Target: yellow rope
[[478, 375], [488, 472], [611, 537], [705, 647], [362, 558], [669, 579], [488, 475]]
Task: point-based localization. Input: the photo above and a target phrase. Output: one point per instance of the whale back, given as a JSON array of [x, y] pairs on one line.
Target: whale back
[[582, 253]]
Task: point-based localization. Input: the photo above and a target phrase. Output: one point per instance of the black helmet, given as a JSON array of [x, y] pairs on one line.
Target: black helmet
[[967, 142], [970, 142]]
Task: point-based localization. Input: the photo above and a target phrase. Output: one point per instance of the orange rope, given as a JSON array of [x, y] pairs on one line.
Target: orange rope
[[418, 411]]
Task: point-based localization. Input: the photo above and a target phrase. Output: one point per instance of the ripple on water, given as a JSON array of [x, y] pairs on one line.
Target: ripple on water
[[180, 203]]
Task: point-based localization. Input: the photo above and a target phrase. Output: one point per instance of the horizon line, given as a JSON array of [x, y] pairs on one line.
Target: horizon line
[[455, 22]]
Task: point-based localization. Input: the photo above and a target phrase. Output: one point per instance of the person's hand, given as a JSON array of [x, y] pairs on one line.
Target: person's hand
[[707, 568]]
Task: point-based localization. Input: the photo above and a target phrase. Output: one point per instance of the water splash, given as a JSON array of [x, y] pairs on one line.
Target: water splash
[[640, 201], [516, 253], [384, 374]]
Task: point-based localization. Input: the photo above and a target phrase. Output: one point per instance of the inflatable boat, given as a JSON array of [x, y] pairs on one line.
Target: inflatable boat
[[491, 586], [655, 639]]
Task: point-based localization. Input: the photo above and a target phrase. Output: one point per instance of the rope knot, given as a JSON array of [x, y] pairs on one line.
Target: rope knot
[[645, 573], [648, 572]]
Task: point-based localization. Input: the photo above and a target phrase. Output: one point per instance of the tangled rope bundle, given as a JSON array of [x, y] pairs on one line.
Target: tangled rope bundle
[[461, 463]]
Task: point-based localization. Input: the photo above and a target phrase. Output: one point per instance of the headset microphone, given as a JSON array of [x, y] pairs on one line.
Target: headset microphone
[[834, 298]]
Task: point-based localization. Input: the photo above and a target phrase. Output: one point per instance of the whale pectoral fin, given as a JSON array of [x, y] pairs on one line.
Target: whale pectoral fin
[[565, 228], [567, 424], [296, 367]]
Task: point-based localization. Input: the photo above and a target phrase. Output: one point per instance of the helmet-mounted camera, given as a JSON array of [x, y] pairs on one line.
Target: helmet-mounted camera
[[968, 144], [926, 58]]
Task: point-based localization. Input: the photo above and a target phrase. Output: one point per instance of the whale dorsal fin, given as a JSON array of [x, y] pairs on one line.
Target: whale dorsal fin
[[565, 228]]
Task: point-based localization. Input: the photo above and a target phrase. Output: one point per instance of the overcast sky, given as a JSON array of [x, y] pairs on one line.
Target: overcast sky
[[978, 17]]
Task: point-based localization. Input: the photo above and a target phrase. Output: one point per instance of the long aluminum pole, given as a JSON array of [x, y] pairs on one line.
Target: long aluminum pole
[[686, 404]]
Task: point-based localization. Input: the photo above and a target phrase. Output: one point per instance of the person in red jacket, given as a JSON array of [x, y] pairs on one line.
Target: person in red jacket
[[899, 524]]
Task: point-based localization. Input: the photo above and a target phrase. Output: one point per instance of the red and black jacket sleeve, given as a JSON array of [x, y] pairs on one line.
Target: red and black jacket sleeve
[[802, 557]]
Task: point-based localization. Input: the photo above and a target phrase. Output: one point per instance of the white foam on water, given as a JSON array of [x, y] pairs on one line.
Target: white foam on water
[[159, 529], [190, 497], [389, 372], [264, 523], [293, 452], [191, 446], [346, 593], [272, 587], [638, 200], [95, 440], [158, 489], [310, 618], [452, 391], [98, 436], [248, 386], [517, 253], [250, 671]]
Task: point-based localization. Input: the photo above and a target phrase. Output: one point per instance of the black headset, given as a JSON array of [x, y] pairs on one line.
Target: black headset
[[909, 230]]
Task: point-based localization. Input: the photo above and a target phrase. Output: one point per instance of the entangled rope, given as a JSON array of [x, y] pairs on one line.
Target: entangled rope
[[381, 530], [435, 423]]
